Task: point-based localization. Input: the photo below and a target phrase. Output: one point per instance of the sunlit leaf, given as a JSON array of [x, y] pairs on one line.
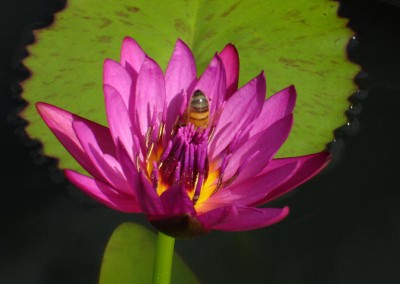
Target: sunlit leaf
[[298, 42], [129, 258]]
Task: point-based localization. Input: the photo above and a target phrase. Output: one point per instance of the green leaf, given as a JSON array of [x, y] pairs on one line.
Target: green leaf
[[129, 258], [298, 42]]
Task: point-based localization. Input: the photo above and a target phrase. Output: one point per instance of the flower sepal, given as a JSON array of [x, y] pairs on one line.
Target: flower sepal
[[181, 226]]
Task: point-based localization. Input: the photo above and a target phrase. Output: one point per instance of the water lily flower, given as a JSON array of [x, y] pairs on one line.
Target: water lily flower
[[194, 154]]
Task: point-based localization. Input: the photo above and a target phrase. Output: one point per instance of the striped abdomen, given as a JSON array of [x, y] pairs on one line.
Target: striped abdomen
[[198, 110]]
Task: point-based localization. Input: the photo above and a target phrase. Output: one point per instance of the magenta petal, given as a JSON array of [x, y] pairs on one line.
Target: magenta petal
[[132, 57], [105, 164], [131, 158], [148, 198], [119, 121], [60, 123], [180, 75], [239, 111], [213, 84], [275, 107], [230, 59], [117, 77], [214, 217], [256, 152], [150, 95], [103, 193], [144, 192], [177, 202], [252, 190], [308, 166], [248, 218]]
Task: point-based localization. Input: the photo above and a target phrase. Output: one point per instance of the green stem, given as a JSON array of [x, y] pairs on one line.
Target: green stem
[[163, 259]]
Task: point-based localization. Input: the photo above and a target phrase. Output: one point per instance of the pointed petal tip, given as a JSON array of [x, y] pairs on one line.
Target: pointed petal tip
[[180, 42], [324, 154], [129, 41], [180, 75], [217, 57], [291, 95], [230, 58], [148, 61], [183, 49], [107, 62], [40, 106], [231, 48], [127, 38], [109, 69], [262, 76], [46, 111], [292, 87], [292, 91], [285, 212], [132, 55], [327, 157]]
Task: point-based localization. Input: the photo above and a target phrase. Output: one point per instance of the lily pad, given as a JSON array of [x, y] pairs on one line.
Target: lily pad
[[129, 258], [295, 42]]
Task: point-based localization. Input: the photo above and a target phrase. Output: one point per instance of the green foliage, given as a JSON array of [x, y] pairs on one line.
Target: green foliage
[[129, 258]]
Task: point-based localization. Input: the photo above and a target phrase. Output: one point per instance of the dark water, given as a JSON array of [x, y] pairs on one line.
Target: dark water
[[344, 225]]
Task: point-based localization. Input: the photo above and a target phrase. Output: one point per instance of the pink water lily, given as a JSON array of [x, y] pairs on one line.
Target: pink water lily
[[187, 179]]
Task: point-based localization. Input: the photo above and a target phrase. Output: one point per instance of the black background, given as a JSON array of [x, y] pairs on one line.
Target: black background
[[344, 224]]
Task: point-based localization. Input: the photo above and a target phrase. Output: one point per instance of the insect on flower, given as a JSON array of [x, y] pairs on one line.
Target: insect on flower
[[198, 110], [192, 154]]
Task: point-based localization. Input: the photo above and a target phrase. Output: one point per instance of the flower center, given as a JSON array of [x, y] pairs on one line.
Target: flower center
[[185, 161]]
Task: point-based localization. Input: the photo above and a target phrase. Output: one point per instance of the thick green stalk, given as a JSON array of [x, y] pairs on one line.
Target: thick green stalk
[[163, 259]]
